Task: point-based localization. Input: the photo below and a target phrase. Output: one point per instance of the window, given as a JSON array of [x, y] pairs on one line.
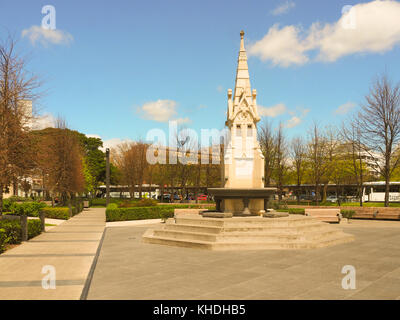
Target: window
[[238, 130], [249, 130]]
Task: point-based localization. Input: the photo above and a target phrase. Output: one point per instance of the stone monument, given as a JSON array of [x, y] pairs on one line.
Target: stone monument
[[242, 191], [232, 226]]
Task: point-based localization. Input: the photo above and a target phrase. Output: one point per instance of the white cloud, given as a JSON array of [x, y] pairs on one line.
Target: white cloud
[[113, 143], [160, 110], [46, 36], [293, 122], [42, 122], [371, 27], [273, 111], [345, 108], [281, 46], [220, 88], [283, 8]]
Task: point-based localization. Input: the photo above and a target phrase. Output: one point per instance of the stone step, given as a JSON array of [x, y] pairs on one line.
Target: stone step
[[193, 228], [215, 222], [258, 221], [240, 245], [185, 235], [280, 228], [246, 236]]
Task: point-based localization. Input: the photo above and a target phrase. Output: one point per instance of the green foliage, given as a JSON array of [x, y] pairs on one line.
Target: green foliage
[[101, 202], [56, 213], [7, 204], [145, 202], [347, 213], [137, 213], [34, 228], [31, 209], [292, 210], [12, 229], [114, 213], [3, 240]]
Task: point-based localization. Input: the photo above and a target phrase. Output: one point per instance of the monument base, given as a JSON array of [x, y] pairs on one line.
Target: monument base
[[246, 233]]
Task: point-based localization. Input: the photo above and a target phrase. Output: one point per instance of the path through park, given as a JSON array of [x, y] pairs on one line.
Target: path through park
[[70, 248]]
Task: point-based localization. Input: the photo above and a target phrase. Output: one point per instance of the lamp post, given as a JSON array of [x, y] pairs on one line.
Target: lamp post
[[107, 177]]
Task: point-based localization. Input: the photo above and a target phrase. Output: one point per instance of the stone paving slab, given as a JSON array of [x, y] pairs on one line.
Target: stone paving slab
[[70, 247], [130, 269]]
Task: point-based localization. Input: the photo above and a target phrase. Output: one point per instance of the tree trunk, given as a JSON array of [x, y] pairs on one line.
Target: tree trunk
[[1, 200], [387, 189]]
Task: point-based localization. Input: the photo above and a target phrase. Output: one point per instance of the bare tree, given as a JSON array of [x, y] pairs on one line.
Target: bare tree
[[17, 86], [280, 160], [266, 138], [317, 148], [130, 158], [298, 155], [352, 136], [379, 124]]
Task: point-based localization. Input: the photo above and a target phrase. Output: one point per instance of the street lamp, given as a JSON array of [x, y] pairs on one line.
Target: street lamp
[[107, 177]]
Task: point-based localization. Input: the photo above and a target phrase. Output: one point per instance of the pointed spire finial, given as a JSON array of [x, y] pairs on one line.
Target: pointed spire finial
[[241, 34]]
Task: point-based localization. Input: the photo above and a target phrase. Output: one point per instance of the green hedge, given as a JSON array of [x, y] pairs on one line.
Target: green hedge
[[3, 240], [113, 213], [292, 210], [347, 213], [31, 209], [34, 228], [56, 213], [10, 231], [101, 202]]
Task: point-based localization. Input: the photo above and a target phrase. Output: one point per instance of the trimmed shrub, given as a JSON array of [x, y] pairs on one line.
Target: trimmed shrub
[[12, 229], [101, 202], [31, 209], [34, 228], [7, 204], [113, 213], [296, 211], [56, 213], [347, 213], [3, 240], [292, 210], [145, 202]]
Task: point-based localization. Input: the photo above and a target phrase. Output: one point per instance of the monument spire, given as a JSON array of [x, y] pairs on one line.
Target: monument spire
[[242, 82]]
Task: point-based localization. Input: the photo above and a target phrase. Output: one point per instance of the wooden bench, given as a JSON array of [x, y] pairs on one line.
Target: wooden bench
[[326, 215]]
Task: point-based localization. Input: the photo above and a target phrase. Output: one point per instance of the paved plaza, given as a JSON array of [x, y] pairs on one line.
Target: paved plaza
[[127, 268], [130, 269], [69, 247]]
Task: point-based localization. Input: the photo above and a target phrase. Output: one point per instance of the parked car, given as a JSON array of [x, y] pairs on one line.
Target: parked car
[[166, 197], [332, 199], [202, 197]]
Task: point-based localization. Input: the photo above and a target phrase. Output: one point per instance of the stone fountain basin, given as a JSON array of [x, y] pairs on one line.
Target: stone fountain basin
[[244, 194], [240, 193]]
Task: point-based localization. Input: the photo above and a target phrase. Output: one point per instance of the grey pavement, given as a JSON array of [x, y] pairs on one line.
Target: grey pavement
[[130, 269], [69, 247]]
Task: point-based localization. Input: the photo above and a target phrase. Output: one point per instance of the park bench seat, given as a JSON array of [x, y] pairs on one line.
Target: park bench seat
[[326, 215]]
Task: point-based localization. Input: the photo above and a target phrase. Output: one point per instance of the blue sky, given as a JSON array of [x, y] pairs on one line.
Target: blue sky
[[109, 59]]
